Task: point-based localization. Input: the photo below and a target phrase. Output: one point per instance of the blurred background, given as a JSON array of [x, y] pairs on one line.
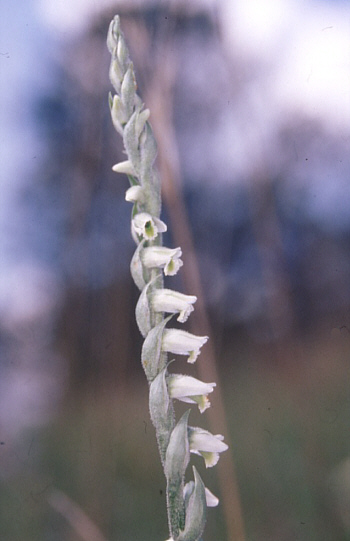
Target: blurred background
[[250, 103]]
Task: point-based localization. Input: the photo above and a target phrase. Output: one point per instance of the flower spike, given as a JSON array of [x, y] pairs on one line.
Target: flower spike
[[151, 262]]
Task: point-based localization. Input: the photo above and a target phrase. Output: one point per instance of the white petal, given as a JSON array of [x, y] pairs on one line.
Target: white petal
[[166, 300], [160, 256], [147, 226], [183, 343], [190, 390], [202, 440], [212, 500], [180, 386], [206, 444]]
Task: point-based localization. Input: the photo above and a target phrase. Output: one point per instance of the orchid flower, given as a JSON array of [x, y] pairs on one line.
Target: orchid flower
[[207, 445], [190, 390], [167, 300], [147, 226], [183, 343], [162, 257]]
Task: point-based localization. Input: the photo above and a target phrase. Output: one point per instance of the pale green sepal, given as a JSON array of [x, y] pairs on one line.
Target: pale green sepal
[[141, 120], [151, 354], [178, 452], [131, 142], [176, 461], [195, 512], [128, 90], [143, 313], [137, 269], [210, 498], [122, 51], [159, 399], [188, 490], [112, 36], [115, 74], [111, 39], [118, 115], [110, 100], [161, 411], [148, 147]]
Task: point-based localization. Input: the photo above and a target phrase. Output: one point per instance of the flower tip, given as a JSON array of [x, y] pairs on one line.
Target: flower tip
[[204, 404], [211, 499], [124, 167], [194, 354]]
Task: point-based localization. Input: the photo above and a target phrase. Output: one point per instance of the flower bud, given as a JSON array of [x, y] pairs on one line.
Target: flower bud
[[118, 114], [135, 194], [128, 90], [115, 74], [112, 36], [122, 53], [141, 120], [126, 168]]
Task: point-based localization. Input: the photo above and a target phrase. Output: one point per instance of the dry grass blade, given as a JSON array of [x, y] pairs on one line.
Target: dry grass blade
[[75, 516]]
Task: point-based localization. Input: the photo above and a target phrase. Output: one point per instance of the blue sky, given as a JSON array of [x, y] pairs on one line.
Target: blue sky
[[303, 44]]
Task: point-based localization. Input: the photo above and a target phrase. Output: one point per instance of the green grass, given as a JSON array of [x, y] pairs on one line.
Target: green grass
[[289, 427]]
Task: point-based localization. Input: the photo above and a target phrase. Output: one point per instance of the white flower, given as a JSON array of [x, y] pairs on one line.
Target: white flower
[[160, 256], [206, 444], [124, 167], [135, 194], [166, 300], [190, 390], [147, 226], [183, 343]]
